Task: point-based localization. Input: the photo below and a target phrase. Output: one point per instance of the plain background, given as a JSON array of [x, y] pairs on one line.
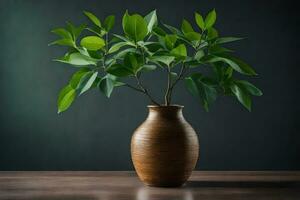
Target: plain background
[[95, 133]]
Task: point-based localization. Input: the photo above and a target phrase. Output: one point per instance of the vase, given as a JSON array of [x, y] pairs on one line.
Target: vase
[[164, 148]]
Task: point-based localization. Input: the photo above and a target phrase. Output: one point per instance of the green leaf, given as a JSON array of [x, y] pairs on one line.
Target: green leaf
[[96, 55], [92, 43], [96, 31], [222, 73], [167, 60], [115, 47], [193, 36], [147, 68], [227, 39], [110, 61], [77, 77], [242, 96], [75, 31], [63, 42], [153, 47], [173, 29], [62, 33], [228, 73], [83, 51], [85, 77], [96, 82], [212, 33], [170, 40], [65, 98], [133, 61], [183, 39], [121, 54], [191, 86], [215, 50], [118, 83], [108, 83], [202, 88], [235, 63], [151, 20], [179, 51], [119, 70], [202, 45], [200, 22], [115, 79], [249, 87], [78, 30], [122, 38], [93, 18], [88, 82], [186, 27], [125, 19], [219, 71], [159, 31], [135, 27], [77, 59], [200, 54], [106, 86], [109, 22], [130, 61], [245, 68], [210, 19]]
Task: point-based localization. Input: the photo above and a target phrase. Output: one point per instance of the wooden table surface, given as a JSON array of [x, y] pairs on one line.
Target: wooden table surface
[[100, 185]]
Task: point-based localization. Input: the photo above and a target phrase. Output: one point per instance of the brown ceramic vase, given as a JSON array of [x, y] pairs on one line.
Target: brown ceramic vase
[[164, 148]]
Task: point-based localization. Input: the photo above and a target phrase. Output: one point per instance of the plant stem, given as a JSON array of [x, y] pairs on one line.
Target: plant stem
[[182, 72], [168, 96], [106, 50], [180, 76], [167, 102], [106, 43], [143, 54], [145, 91], [134, 88]]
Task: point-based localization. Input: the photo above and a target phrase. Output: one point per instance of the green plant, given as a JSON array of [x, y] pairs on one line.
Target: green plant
[[106, 60]]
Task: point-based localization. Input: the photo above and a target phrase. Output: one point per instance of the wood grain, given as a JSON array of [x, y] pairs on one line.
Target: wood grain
[[206, 185], [165, 148]]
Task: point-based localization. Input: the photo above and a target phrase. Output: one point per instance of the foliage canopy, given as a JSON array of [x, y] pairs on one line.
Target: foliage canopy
[[106, 60]]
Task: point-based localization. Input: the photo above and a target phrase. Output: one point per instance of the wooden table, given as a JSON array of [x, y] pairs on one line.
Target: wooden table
[[96, 185]]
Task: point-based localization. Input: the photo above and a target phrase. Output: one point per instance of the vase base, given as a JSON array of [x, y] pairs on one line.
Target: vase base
[[164, 185]]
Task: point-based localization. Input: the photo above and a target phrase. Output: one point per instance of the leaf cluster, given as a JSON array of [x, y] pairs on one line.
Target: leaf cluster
[[106, 60]]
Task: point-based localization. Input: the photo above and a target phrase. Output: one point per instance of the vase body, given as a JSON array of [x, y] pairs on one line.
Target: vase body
[[164, 148]]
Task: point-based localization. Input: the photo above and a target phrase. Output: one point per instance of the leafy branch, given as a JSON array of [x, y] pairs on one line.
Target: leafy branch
[[107, 60]]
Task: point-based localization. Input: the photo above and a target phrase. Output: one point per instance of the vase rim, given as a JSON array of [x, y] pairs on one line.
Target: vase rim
[[164, 106]]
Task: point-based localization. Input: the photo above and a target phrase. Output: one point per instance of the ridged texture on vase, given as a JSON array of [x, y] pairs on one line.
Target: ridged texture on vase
[[164, 148]]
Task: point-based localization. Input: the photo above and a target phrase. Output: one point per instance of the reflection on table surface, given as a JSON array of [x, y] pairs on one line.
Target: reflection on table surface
[[125, 185]]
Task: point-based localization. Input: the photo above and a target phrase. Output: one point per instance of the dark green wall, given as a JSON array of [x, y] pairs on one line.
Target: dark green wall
[[95, 133]]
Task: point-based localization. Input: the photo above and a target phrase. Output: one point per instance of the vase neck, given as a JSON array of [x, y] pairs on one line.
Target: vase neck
[[167, 112]]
